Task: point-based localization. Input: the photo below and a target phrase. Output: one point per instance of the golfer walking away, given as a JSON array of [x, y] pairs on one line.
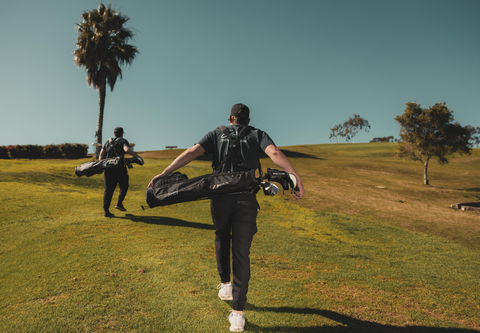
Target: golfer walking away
[[234, 216], [115, 147]]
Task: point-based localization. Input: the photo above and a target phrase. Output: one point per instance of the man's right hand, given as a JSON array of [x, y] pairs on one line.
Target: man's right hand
[[154, 179], [299, 190]]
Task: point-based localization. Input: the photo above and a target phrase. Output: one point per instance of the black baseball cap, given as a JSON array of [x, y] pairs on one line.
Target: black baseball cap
[[240, 110], [118, 130]]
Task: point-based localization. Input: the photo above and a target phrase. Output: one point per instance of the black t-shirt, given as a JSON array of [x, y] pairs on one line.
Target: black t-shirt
[[254, 142], [114, 147]]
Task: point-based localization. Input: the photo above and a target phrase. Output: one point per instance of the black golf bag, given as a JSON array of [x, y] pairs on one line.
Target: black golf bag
[[176, 188], [97, 167]]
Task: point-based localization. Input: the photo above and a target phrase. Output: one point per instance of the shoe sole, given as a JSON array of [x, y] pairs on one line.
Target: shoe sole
[[226, 298], [120, 208], [234, 328]]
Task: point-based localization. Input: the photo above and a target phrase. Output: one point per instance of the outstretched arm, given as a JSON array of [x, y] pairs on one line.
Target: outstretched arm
[[129, 151], [283, 163], [183, 159]]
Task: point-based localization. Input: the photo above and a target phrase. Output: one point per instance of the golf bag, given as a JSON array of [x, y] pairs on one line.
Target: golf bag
[[97, 167], [176, 188]]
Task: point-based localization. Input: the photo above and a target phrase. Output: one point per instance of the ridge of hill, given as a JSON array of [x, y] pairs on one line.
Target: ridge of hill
[[366, 180]]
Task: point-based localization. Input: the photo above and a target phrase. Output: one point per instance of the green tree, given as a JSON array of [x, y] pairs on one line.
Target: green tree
[[353, 125], [427, 133], [102, 47], [384, 139], [474, 136], [337, 131]]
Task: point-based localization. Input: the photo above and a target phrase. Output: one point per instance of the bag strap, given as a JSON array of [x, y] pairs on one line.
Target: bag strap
[[235, 146], [224, 130], [112, 148]]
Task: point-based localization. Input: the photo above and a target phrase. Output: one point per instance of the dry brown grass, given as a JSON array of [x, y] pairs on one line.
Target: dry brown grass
[[366, 180]]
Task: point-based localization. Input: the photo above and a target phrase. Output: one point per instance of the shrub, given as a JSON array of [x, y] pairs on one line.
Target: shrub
[[384, 139], [52, 151], [15, 151], [25, 151], [32, 151], [66, 150], [3, 152], [74, 151]]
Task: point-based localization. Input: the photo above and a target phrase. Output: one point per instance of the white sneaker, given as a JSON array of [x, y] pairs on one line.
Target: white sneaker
[[237, 322], [225, 292]]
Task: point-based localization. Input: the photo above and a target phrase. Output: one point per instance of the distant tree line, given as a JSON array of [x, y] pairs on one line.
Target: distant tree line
[[65, 150], [384, 139]]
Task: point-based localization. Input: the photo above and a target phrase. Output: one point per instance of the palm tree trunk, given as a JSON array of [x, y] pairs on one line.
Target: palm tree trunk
[[425, 178], [101, 107]]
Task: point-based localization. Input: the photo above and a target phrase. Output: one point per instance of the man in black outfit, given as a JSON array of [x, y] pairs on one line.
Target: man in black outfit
[[115, 147], [234, 216]]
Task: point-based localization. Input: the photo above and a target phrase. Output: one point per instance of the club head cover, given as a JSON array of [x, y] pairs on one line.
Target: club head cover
[[293, 182], [270, 189]]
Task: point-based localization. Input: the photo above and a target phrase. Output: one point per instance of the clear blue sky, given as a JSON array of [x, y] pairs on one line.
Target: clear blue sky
[[301, 66]]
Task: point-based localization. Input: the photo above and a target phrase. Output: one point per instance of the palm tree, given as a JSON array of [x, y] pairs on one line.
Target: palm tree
[[102, 47]]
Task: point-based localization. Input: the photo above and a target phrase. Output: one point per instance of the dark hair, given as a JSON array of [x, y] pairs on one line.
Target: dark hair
[[240, 120], [118, 132]]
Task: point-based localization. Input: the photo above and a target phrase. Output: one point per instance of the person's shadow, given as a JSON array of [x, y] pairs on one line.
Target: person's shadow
[[348, 324], [160, 220]]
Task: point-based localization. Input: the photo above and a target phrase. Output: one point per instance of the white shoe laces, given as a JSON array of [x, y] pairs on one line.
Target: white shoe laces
[[221, 286]]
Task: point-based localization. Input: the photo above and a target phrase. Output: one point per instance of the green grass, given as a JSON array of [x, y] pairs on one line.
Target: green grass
[[350, 257]]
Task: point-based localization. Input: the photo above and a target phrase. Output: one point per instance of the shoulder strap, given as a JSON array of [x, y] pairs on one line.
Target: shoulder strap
[[113, 147], [234, 146], [224, 130]]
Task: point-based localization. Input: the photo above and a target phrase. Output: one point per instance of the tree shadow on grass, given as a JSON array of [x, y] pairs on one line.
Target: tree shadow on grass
[[286, 152], [159, 220], [296, 154], [346, 324], [473, 189]]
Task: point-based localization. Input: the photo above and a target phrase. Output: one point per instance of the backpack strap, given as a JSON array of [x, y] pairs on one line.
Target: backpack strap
[[111, 147], [224, 130], [235, 147]]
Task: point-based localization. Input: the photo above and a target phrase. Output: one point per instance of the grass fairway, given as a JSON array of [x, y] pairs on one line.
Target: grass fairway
[[369, 249]]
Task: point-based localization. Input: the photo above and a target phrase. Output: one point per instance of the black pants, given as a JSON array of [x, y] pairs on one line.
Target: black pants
[[111, 179], [235, 220]]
